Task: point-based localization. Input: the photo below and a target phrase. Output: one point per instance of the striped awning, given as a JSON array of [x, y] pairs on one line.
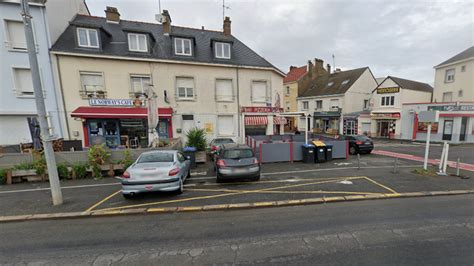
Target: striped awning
[[256, 120], [279, 120]]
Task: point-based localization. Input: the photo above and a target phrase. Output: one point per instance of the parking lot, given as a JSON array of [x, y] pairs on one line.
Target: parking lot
[[373, 175]]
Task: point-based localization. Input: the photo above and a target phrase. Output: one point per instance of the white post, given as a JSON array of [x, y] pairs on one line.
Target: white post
[[427, 149], [306, 129], [441, 160], [242, 126], [446, 158]]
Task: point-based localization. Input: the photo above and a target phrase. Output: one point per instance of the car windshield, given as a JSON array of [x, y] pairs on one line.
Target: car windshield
[[223, 141], [238, 154], [161, 157]]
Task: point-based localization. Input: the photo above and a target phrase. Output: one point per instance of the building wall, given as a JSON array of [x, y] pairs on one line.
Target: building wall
[[462, 81], [15, 108], [58, 21], [204, 107], [291, 97], [359, 91]]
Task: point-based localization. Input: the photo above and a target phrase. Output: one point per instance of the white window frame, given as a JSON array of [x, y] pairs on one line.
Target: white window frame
[[233, 126], [137, 42], [447, 93], [447, 78], [366, 104], [183, 41], [83, 90], [387, 100], [88, 45], [143, 90], [316, 104], [222, 46], [331, 103], [8, 40], [186, 97], [304, 105], [221, 98], [19, 93]]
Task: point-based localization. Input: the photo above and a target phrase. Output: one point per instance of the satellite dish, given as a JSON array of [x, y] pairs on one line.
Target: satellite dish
[[160, 18]]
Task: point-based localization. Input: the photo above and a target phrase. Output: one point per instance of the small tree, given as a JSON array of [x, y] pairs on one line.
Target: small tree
[[127, 159], [97, 157], [196, 138]]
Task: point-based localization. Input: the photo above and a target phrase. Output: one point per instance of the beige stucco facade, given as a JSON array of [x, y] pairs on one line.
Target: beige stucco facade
[[290, 92], [204, 106], [461, 88]]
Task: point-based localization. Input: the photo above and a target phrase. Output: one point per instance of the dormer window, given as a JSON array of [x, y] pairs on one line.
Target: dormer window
[[182, 46], [137, 42], [87, 38], [222, 50]]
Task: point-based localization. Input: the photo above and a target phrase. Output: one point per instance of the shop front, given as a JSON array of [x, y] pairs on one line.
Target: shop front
[[386, 125], [120, 127], [326, 122], [262, 121]]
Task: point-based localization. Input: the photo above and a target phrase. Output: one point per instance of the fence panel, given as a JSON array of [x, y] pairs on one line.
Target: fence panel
[[275, 152], [339, 148]]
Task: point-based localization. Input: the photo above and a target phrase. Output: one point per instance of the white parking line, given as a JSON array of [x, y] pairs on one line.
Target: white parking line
[[213, 177]]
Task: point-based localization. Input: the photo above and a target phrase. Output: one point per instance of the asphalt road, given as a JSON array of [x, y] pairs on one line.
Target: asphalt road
[[417, 231]]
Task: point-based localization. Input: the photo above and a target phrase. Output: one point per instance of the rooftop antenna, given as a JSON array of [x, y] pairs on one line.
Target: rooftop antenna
[[224, 7], [159, 5], [333, 63], [159, 17]]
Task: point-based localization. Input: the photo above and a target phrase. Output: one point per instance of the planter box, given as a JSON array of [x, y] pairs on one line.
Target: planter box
[[201, 157], [30, 172]]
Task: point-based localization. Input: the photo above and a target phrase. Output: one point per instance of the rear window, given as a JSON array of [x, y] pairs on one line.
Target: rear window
[[237, 154], [362, 138], [156, 158], [223, 141]]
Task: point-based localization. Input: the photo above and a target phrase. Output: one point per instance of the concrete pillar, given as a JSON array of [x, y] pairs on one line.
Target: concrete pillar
[[270, 125], [282, 129], [242, 128]]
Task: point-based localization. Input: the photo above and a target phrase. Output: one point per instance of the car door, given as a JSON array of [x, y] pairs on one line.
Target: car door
[[183, 164]]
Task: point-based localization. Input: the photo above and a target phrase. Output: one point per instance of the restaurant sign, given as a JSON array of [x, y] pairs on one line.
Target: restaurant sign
[[451, 107], [111, 102], [385, 115], [255, 109], [388, 90]]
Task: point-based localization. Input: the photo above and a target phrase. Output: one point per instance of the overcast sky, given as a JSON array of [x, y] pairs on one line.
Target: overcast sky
[[403, 38]]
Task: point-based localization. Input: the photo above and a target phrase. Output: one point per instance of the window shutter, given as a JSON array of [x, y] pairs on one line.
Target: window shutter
[[24, 82], [185, 87], [259, 91], [225, 125], [224, 90], [16, 34]]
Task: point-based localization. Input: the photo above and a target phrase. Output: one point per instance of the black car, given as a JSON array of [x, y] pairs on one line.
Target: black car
[[216, 144], [236, 161], [360, 144]]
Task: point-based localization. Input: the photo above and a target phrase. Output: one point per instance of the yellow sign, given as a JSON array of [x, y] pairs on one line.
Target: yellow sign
[[318, 143], [209, 128], [388, 90]]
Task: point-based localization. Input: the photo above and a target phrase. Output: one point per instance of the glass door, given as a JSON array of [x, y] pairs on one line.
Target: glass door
[[163, 128], [462, 137]]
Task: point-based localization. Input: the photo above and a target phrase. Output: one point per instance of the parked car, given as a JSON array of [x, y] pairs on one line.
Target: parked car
[[216, 144], [156, 171], [360, 144], [236, 161]]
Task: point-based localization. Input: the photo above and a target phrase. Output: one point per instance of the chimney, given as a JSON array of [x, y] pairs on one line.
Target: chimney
[[310, 66], [328, 67], [227, 22], [318, 63], [166, 22], [112, 15]]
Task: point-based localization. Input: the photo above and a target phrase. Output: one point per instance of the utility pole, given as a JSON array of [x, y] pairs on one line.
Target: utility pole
[[46, 137]]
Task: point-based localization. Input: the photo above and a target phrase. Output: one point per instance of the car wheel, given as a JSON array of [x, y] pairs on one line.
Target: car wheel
[[369, 151], [352, 150], [218, 178], [256, 178], [180, 190]]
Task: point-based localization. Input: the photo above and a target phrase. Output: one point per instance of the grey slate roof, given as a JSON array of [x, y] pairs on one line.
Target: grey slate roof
[[469, 52], [319, 87], [114, 42], [411, 84]]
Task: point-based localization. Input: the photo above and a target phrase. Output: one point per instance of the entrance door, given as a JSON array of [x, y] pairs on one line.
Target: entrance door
[[383, 128], [162, 129], [350, 127], [448, 129], [462, 136]]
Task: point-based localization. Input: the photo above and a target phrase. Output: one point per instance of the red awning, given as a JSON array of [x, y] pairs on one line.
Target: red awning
[[117, 112], [255, 120], [279, 120]]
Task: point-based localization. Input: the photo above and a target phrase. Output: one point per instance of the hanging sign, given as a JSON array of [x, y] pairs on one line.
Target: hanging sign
[[388, 90], [111, 102]]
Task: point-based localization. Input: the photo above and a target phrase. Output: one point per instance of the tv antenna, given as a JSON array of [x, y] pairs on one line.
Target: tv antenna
[[159, 17], [333, 63], [224, 7]]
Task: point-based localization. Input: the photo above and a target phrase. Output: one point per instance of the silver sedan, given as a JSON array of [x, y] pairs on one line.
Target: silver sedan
[[156, 171]]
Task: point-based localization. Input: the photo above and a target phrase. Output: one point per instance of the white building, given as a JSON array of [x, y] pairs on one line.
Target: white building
[[387, 102], [17, 99], [335, 100]]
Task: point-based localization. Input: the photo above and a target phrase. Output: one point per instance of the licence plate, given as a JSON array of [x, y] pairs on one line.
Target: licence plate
[[239, 171], [367, 142]]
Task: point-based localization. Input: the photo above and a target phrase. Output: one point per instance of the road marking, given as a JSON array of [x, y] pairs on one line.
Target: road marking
[[225, 194], [68, 187], [290, 192], [377, 183], [103, 200]]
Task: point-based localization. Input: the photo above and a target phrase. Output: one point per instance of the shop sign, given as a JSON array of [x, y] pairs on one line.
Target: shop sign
[[255, 109], [451, 107], [388, 90], [385, 115], [209, 128], [326, 114], [423, 127], [111, 102]]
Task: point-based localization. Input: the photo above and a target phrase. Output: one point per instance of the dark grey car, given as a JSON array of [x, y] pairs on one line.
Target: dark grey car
[[236, 161]]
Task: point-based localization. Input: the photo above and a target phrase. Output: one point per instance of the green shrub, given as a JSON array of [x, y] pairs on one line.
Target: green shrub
[[3, 176], [196, 138], [39, 164], [24, 166], [63, 172], [97, 156], [80, 170], [127, 159]]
